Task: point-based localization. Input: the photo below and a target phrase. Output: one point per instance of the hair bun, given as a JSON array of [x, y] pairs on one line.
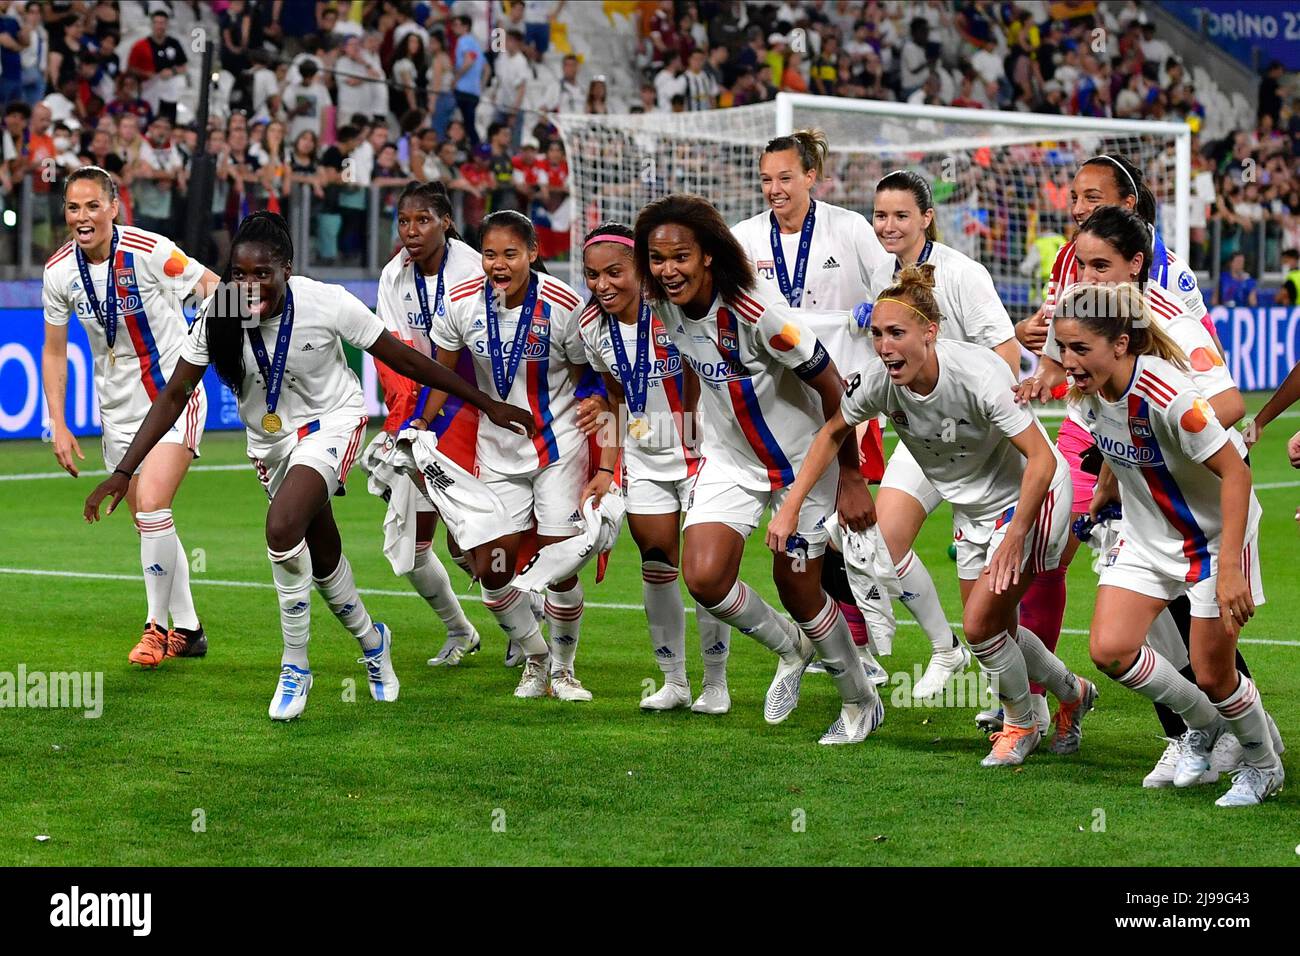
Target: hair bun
[[917, 275]]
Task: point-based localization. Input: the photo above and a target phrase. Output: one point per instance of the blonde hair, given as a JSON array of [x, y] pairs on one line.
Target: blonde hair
[[914, 286], [811, 144], [1114, 309]]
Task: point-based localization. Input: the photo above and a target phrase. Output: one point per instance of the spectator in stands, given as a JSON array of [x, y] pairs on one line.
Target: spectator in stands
[[529, 175], [793, 80], [663, 34], [1289, 293], [597, 94], [1236, 286], [571, 97], [501, 169], [13, 41], [539, 15], [824, 72], [410, 75], [157, 175], [468, 78], [158, 61], [35, 56], [701, 88], [649, 102], [130, 137], [306, 102], [670, 81], [477, 173], [513, 76], [914, 62]]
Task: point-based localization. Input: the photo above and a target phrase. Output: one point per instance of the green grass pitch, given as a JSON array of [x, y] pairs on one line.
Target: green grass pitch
[[184, 767]]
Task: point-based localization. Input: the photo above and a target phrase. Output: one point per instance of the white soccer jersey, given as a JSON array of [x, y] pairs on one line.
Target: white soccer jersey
[[317, 380], [150, 278], [964, 292], [1155, 439], [959, 433], [1176, 278], [849, 347], [661, 455], [399, 300], [749, 357], [543, 381], [841, 259]]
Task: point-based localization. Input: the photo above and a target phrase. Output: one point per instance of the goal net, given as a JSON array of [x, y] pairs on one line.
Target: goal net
[[1001, 181]]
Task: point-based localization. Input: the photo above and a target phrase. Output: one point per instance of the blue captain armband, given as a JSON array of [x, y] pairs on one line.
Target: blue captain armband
[[810, 369]]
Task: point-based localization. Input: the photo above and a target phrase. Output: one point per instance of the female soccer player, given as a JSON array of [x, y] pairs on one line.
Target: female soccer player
[[278, 345], [952, 404], [766, 386], [412, 290], [816, 256], [520, 326], [1287, 394], [644, 376], [121, 279], [972, 312], [1190, 527]]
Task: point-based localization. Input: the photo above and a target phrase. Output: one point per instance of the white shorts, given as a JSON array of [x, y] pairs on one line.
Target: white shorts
[[902, 473], [328, 446], [717, 498], [550, 496], [187, 430], [977, 540], [1124, 567], [651, 496]]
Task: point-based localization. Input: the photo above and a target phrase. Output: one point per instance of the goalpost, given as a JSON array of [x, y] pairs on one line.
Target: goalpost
[[1000, 180]]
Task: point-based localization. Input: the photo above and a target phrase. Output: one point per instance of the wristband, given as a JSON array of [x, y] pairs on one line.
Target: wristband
[[123, 473], [610, 470]]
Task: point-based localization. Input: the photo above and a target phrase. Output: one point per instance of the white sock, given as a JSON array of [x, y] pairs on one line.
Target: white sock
[[829, 632], [291, 571], [462, 561], [666, 615], [563, 623], [1244, 711], [514, 614], [431, 582], [181, 604], [715, 645], [158, 559], [1156, 679], [340, 593], [1044, 667], [1002, 660], [750, 614], [922, 600]]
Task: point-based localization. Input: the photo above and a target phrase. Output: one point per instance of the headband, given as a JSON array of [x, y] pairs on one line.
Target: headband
[[1120, 166], [908, 305], [608, 237]]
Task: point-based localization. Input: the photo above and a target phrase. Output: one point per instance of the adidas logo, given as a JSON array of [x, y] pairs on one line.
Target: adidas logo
[[830, 263], [576, 517], [715, 650], [566, 639], [873, 594], [478, 324], [156, 570], [664, 652], [300, 608], [347, 608], [76, 286], [333, 452], [407, 297], [747, 630], [309, 347]]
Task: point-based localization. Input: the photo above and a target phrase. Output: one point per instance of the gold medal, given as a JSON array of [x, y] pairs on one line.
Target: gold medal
[[271, 423], [639, 427]]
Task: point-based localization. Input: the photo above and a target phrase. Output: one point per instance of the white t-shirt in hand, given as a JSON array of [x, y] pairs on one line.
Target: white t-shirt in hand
[[749, 357], [960, 433], [842, 258], [317, 379], [1156, 438], [543, 381], [152, 277]]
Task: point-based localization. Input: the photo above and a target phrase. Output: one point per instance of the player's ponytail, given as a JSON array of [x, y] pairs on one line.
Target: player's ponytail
[[904, 180], [1114, 310], [811, 145], [225, 314], [1125, 232], [914, 286], [431, 195]]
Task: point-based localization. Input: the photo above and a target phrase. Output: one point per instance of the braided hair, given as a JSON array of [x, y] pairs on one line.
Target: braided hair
[[431, 195]]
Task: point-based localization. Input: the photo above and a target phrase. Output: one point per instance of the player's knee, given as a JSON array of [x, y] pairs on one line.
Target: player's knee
[[282, 533], [802, 597], [148, 498], [707, 581], [1110, 657], [1217, 679]]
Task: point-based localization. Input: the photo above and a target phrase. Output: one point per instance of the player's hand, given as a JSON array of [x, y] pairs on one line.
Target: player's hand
[[1293, 450], [783, 524], [115, 486], [853, 502], [590, 410], [1032, 332], [596, 489], [512, 417], [1236, 606], [1003, 569], [1107, 490], [65, 446], [1250, 432], [1042, 387]]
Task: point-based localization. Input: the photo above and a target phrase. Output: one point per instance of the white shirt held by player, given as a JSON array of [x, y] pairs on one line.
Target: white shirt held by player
[[1190, 526], [126, 285], [953, 407], [277, 342]]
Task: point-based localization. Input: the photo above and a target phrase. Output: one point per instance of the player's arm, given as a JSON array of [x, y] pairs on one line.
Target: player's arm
[[609, 438], [1287, 394], [1236, 606], [420, 368], [166, 408], [1009, 352], [54, 382], [826, 447], [1003, 568]]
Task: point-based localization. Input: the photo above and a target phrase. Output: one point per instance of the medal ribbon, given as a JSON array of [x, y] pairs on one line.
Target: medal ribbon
[[505, 367], [793, 295], [273, 370], [423, 292], [108, 318], [635, 378]]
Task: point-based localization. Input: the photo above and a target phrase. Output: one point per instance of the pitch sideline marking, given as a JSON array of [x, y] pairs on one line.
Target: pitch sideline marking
[[380, 592]]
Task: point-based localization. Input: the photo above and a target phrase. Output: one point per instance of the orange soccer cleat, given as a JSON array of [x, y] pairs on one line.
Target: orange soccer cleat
[[185, 643], [152, 647]]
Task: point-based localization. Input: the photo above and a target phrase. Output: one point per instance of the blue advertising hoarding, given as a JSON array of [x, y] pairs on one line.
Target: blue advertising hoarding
[[1240, 29]]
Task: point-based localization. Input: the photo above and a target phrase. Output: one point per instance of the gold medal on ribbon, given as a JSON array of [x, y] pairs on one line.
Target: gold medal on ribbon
[[271, 423], [639, 427]]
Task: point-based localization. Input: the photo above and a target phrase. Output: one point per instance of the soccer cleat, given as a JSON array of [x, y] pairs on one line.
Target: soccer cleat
[[871, 668], [1011, 745], [713, 699], [783, 693], [1162, 774], [940, 669], [855, 722], [669, 697], [514, 654], [533, 682], [816, 667], [1228, 754], [1069, 719], [989, 720], [456, 647], [1252, 785], [290, 698], [183, 643], [565, 686], [384, 684], [151, 649], [1194, 763]]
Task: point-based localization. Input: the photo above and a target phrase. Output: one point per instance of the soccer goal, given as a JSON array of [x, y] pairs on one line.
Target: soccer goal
[[1000, 180]]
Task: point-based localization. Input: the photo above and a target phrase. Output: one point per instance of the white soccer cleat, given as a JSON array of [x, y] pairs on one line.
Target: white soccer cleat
[[938, 672], [855, 723], [456, 648], [1227, 754], [565, 686], [1194, 763], [533, 682], [669, 697], [871, 668], [1162, 774], [384, 685], [291, 690], [783, 693], [989, 721], [816, 667], [1011, 745], [1252, 785], [514, 654], [713, 699]]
